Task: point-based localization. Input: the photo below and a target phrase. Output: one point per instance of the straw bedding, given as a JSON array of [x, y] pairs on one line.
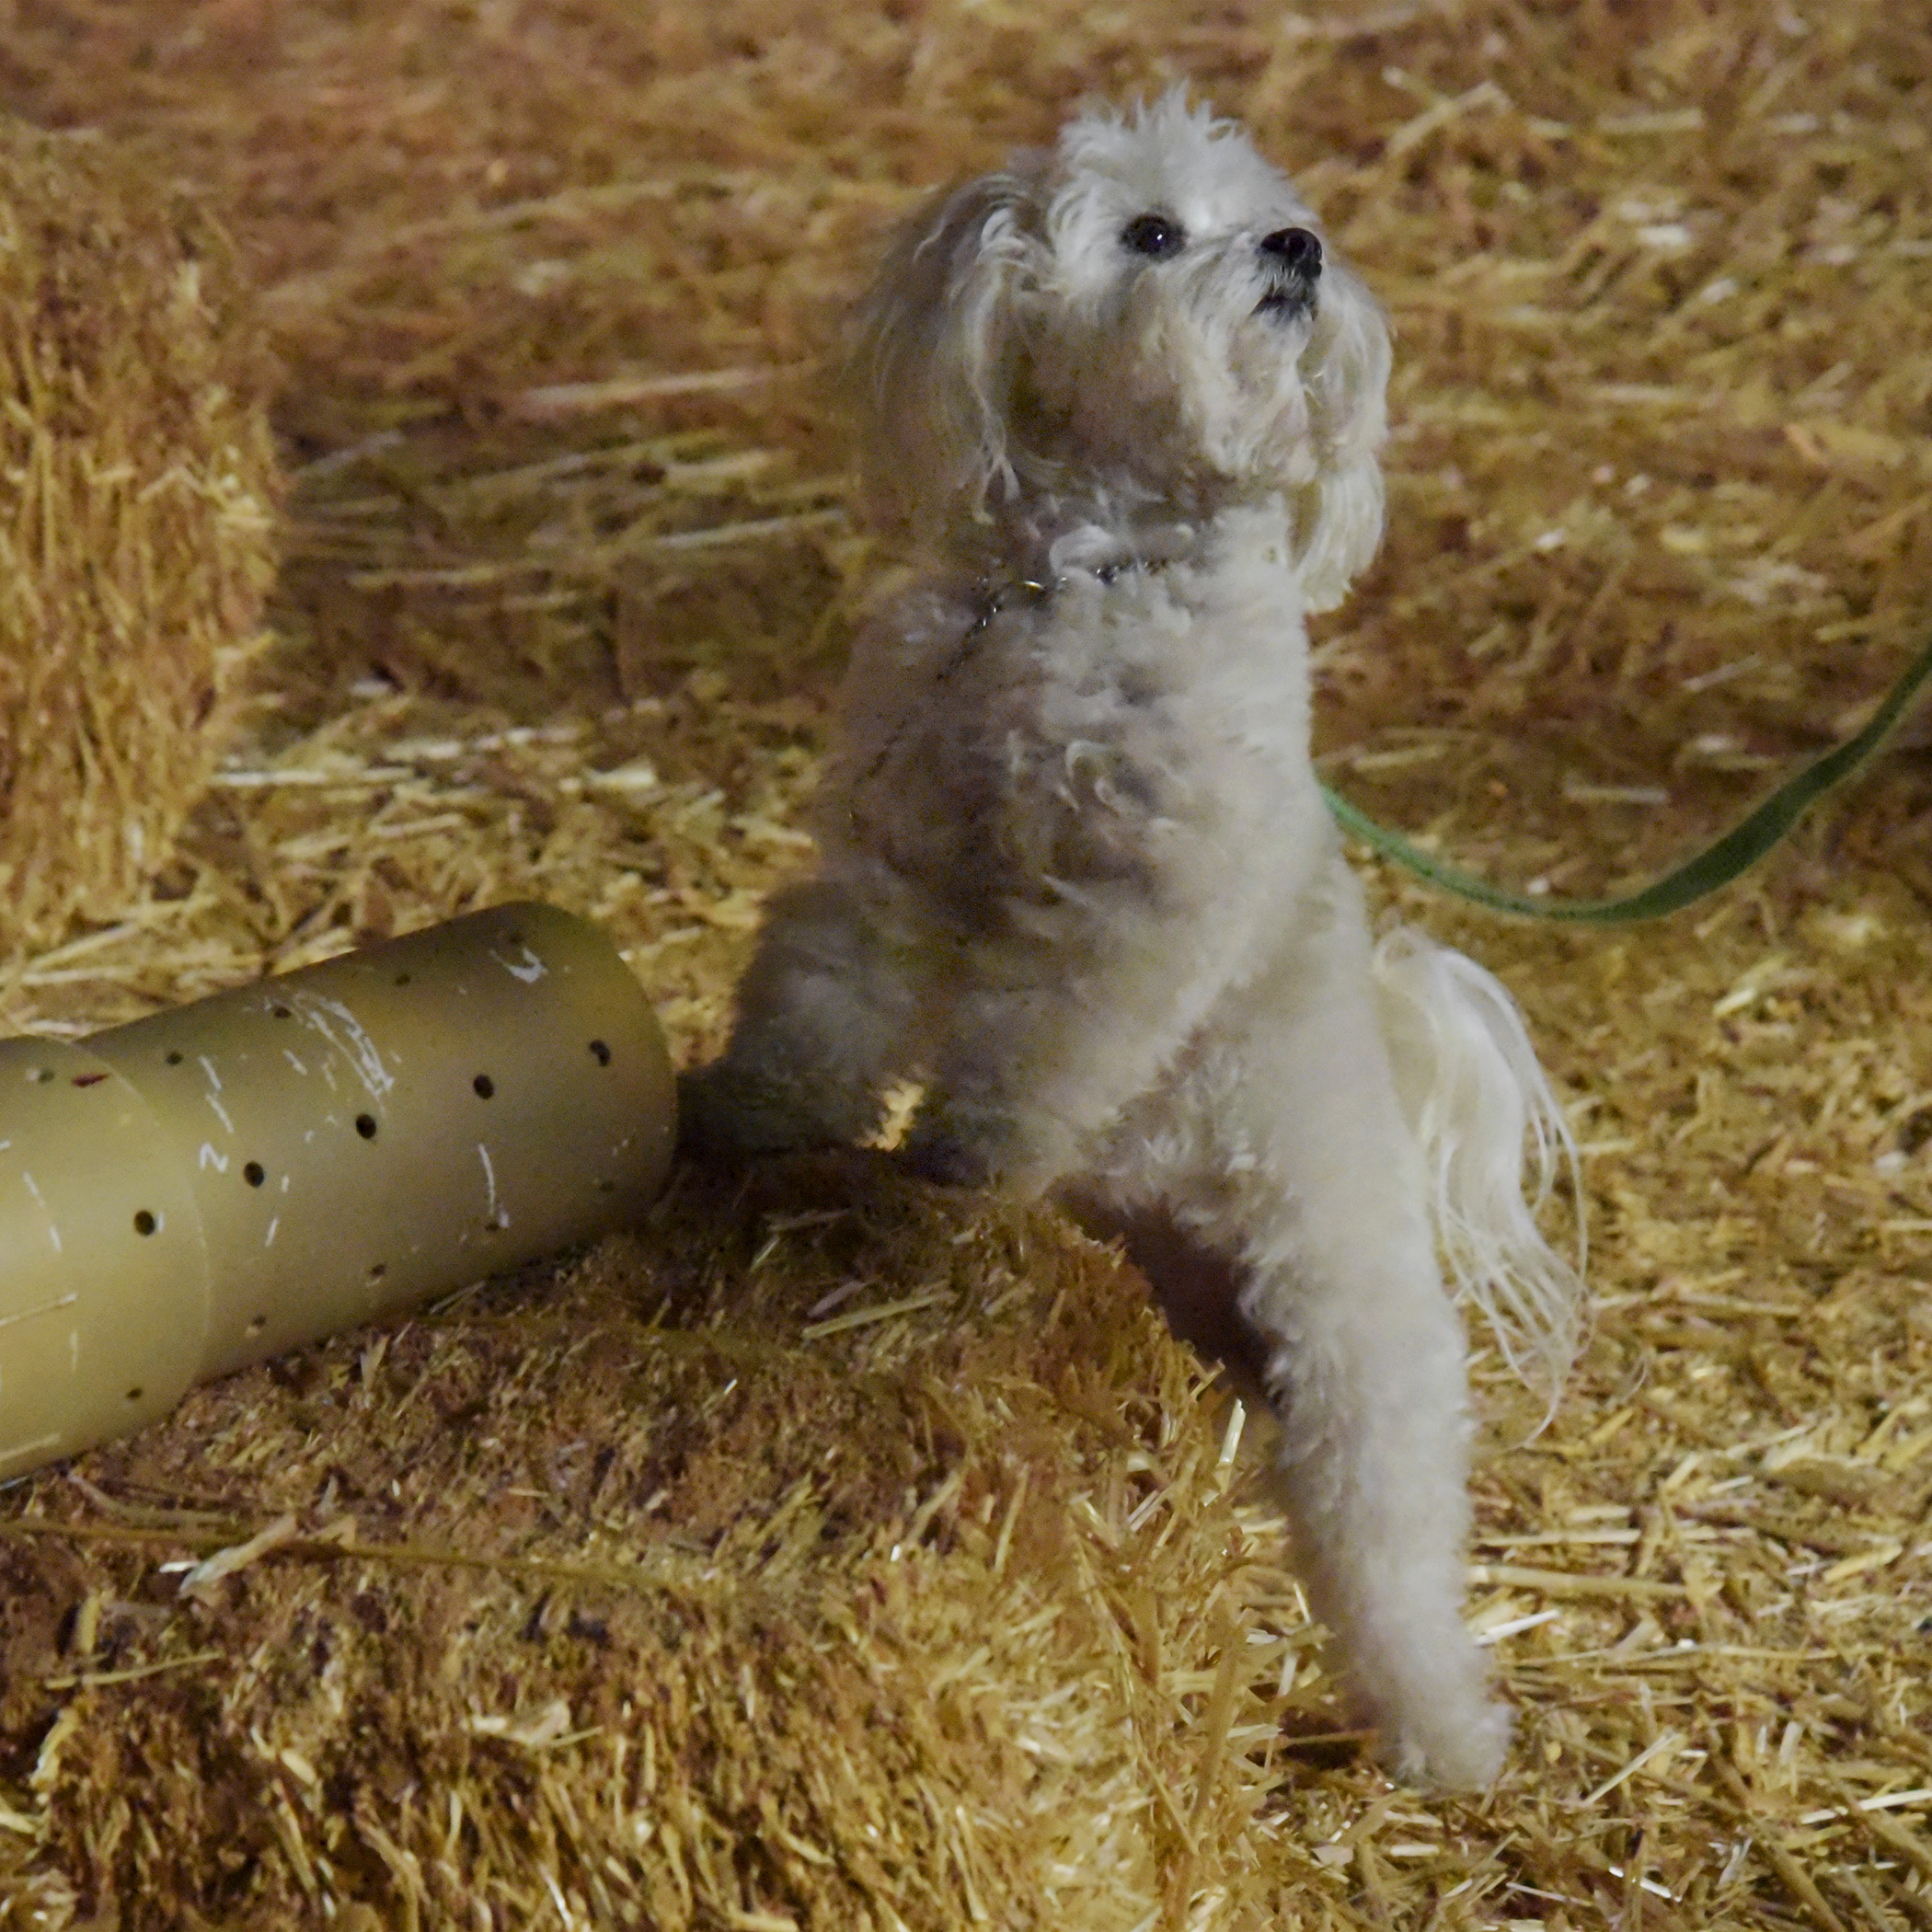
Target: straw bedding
[[577, 1600]]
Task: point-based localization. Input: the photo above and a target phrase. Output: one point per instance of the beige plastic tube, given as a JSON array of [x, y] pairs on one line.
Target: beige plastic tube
[[215, 1184]]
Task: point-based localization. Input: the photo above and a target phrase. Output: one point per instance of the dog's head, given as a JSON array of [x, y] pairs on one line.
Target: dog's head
[[1150, 311]]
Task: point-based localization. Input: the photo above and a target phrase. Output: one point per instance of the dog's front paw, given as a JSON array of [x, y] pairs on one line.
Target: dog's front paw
[[947, 1162], [721, 1111], [960, 1144], [966, 1143]]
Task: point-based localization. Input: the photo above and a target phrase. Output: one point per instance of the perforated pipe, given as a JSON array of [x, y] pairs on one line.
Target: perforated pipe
[[215, 1184]]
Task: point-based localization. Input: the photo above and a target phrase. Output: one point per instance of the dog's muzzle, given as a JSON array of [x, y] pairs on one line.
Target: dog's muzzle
[[1291, 260]]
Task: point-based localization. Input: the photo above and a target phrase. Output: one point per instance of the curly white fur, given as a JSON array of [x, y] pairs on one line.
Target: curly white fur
[[1476, 1099], [1123, 403]]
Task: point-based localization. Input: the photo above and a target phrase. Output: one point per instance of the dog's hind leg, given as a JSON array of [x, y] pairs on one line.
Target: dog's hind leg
[[824, 1015]]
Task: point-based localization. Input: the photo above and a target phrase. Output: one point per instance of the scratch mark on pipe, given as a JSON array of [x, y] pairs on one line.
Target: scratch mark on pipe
[[221, 1112], [350, 1037], [493, 1216], [53, 1234], [531, 970], [269, 1240], [59, 1302], [20, 1449], [288, 1053], [214, 1079]]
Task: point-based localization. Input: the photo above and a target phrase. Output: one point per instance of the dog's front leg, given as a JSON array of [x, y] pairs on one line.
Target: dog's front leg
[[826, 1015], [1049, 1039], [1365, 1353], [1367, 1379]]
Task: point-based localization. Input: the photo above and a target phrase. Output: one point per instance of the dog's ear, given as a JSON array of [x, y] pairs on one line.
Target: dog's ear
[[1339, 515], [931, 351], [1338, 530]]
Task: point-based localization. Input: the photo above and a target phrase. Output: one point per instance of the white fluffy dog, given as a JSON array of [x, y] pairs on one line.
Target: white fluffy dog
[[1076, 877]]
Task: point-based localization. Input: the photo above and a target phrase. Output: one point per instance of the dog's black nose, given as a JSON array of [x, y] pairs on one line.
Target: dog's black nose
[[1297, 251]]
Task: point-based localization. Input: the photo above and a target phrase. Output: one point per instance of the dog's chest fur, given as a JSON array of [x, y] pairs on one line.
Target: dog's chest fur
[[1009, 746]]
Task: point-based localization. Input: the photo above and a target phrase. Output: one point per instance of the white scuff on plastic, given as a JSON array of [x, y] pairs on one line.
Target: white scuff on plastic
[[33, 1187], [493, 1213], [39, 1443], [52, 1307], [350, 1037], [532, 971]]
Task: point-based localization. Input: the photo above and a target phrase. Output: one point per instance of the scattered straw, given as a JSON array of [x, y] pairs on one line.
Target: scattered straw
[[1661, 518]]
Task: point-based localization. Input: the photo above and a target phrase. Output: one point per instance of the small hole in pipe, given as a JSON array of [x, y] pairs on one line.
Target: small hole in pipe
[[283, 1012], [89, 1079], [484, 1086], [135, 1394], [366, 1125], [258, 1324], [607, 1187], [600, 1052], [253, 1174], [145, 1223], [402, 978], [377, 1270], [173, 1056]]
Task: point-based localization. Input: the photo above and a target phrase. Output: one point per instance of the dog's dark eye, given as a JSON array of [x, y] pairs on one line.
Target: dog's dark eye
[[1154, 235]]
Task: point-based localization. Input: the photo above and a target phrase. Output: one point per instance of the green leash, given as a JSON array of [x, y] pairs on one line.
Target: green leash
[[1716, 865]]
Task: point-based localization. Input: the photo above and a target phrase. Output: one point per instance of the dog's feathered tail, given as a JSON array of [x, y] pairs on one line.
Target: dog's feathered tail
[[1495, 1141]]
